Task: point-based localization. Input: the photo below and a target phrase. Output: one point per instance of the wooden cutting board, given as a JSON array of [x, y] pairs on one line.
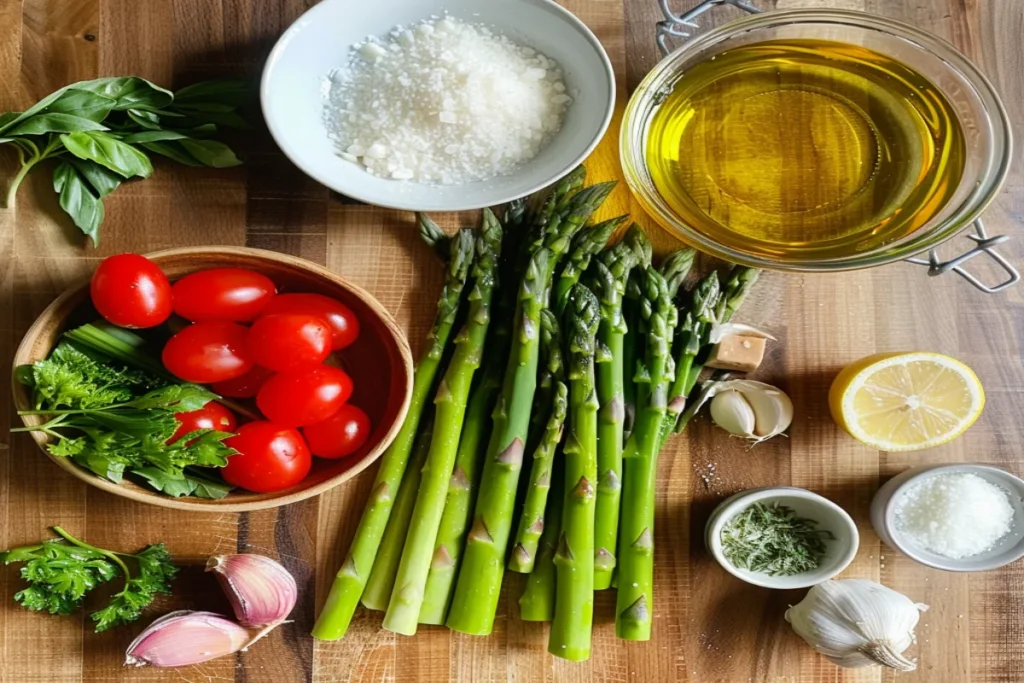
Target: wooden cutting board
[[708, 627]]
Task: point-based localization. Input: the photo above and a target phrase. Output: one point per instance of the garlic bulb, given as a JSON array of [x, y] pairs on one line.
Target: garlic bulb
[[743, 407], [856, 623], [184, 638]]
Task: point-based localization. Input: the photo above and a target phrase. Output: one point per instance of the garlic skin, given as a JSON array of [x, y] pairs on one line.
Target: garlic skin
[[261, 591], [723, 330], [857, 623], [743, 407], [183, 638]]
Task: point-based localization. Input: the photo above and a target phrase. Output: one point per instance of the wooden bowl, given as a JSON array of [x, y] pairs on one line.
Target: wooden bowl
[[379, 362]]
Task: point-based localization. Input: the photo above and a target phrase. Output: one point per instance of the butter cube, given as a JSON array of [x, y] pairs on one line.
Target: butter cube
[[738, 353]]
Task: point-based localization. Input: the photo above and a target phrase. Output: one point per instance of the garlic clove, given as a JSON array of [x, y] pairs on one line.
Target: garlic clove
[[731, 412], [183, 638], [773, 411], [261, 591]]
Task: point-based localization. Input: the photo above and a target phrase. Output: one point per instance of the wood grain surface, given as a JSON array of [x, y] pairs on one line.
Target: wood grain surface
[[708, 626]]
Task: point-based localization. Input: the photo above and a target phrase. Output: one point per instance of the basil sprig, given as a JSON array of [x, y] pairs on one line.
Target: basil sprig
[[100, 131]]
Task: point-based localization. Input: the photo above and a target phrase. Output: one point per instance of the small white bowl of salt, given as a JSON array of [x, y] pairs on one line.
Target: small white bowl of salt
[[960, 518], [437, 105]]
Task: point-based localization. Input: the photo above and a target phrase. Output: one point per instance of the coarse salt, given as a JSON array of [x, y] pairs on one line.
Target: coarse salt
[[444, 102], [955, 515]]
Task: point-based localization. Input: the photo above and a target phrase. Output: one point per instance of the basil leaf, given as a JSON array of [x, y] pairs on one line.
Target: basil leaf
[[211, 153], [103, 181], [171, 150], [146, 119], [129, 92], [81, 103], [234, 91], [108, 151], [78, 201], [177, 398], [218, 114], [54, 123], [153, 136]]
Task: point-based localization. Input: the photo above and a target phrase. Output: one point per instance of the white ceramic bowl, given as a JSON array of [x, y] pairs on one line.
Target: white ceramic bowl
[[1008, 549], [839, 553], [320, 40]]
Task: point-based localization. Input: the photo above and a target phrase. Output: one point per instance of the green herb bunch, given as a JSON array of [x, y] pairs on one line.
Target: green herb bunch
[[101, 130], [62, 571], [114, 419], [772, 539]]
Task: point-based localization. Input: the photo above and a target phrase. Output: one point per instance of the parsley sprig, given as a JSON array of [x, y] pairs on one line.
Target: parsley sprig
[[116, 419], [772, 539], [61, 572]]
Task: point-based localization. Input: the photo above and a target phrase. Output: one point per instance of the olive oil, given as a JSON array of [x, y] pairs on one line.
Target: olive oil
[[805, 149]]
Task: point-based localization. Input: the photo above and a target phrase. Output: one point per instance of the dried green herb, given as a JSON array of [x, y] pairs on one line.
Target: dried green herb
[[772, 539]]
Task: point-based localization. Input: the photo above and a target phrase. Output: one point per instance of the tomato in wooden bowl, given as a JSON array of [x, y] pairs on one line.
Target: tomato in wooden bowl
[[376, 358]]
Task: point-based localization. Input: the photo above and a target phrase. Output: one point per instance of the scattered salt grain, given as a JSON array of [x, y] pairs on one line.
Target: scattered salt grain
[[955, 515], [444, 101]]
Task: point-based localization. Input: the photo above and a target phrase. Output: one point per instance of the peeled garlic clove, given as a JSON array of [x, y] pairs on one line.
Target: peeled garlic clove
[[183, 638], [261, 591], [731, 412]]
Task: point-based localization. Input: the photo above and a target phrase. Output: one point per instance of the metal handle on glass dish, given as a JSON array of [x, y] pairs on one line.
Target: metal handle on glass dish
[[679, 26]]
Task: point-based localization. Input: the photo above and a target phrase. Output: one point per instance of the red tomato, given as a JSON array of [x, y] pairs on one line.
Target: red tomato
[[131, 291], [289, 341], [341, 434], [304, 397], [270, 458], [245, 386], [343, 322], [207, 352], [211, 416], [232, 294]]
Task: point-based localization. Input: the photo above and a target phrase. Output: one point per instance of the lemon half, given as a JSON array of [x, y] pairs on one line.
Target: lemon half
[[906, 401]]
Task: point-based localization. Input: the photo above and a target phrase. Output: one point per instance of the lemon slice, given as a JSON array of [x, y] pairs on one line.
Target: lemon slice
[[906, 401]]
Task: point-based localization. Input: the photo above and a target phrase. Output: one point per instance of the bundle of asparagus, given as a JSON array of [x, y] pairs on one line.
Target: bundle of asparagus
[[585, 366]]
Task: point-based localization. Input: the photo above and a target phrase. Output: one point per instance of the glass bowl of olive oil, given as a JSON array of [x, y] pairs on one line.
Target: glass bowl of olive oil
[[815, 140]]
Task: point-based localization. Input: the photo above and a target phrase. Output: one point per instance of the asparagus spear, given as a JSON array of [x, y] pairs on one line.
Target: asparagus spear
[[734, 292], [483, 564], [634, 598], [611, 271], [351, 578], [632, 345], [585, 246], [381, 582], [452, 394], [433, 235], [465, 478], [675, 268], [574, 558], [532, 519], [698, 318], [537, 602]]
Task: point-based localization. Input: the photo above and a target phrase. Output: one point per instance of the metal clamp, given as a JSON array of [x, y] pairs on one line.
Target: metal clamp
[[983, 245], [675, 25]]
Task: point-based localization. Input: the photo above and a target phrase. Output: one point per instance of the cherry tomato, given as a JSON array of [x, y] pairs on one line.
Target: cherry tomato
[[207, 352], [131, 291], [289, 341], [343, 322], [245, 386], [304, 397], [270, 458], [340, 435], [232, 294], [211, 416]]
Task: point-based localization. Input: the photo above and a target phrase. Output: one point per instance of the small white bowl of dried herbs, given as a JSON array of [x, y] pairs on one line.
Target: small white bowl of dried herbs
[[781, 537]]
